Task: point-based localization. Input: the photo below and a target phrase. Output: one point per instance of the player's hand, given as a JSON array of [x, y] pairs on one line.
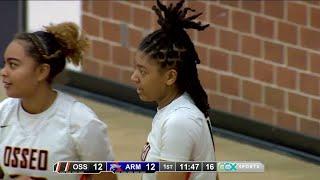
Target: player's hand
[[23, 178]]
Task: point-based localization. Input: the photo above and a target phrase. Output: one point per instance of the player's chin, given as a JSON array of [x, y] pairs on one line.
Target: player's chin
[[144, 98], [12, 94]]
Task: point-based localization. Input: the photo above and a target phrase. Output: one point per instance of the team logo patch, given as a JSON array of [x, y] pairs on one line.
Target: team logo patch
[[145, 151]]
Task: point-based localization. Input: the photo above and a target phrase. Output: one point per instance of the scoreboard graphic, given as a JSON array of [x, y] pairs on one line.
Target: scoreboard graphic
[[96, 167]]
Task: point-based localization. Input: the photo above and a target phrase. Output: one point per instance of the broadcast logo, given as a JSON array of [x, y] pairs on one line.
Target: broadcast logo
[[227, 167]]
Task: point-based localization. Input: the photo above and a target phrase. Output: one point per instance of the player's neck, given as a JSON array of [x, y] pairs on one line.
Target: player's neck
[[168, 98], [40, 101]]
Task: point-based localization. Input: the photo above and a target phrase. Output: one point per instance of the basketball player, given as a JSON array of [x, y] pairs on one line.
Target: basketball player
[[40, 125], [165, 73]]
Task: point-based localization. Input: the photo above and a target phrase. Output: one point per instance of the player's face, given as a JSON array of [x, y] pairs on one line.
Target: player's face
[[150, 82], [18, 73]]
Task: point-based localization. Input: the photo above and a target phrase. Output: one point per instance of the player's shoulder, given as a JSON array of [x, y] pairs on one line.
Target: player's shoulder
[[8, 101], [81, 116], [185, 107], [8, 104]]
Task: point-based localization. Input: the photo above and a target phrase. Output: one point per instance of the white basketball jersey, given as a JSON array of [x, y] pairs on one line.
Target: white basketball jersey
[[30, 144], [180, 133]]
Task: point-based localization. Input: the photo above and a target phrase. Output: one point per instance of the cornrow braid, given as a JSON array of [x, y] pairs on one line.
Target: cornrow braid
[[41, 47], [172, 47]]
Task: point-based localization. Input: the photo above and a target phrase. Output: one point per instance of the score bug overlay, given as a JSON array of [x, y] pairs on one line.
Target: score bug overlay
[[96, 167]]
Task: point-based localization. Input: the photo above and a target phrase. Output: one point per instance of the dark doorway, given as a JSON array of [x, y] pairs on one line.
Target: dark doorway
[[12, 18]]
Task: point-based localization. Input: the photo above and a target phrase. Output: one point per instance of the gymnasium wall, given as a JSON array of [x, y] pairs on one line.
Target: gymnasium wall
[[259, 59]]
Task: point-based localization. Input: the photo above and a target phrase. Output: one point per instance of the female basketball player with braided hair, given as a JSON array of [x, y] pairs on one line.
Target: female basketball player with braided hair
[[39, 125], [165, 73]]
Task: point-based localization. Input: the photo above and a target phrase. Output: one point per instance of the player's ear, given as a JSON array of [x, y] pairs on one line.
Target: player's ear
[[43, 71], [171, 77]]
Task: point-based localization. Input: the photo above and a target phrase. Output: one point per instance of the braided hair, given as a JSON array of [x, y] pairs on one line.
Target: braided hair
[[55, 45], [172, 48]]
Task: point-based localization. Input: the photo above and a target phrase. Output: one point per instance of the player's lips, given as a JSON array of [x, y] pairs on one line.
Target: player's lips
[[6, 84]]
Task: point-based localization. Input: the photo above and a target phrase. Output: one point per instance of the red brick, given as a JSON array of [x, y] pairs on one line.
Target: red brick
[[274, 97], [297, 58], [241, 21], [264, 27], [240, 108], [263, 114], [111, 72], [315, 109], [90, 25], [229, 40], [286, 78], [273, 52], [208, 79], [149, 4], [297, 13], [126, 77], [192, 34], [203, 54], [310, 39], [141, 18], [121, 11], [252, 91], [287, 121], [199, 6], [121, 55], [287, 32], [219, 15], [310, 127], [219, 102], [207, 36], [274, 8], [86, 6], [263, 72], [241, 66], [135, 37], [298, 104], [137, 2], [111, 31], [229, 85], [234, 3], [101, 8], [219, 60], [309, 84], [101, 50], [254, 5], [251, 46], [315, 62], [91, 67], [315, 16], [313, 2]]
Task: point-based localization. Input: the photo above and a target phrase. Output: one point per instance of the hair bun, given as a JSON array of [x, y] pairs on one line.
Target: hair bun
[[174, 18], [73, 41]]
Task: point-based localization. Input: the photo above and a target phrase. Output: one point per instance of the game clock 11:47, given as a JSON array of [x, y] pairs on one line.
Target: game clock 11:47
[[188, 166]]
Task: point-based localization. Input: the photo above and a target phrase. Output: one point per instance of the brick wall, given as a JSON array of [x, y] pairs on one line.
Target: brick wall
[[259, 59]]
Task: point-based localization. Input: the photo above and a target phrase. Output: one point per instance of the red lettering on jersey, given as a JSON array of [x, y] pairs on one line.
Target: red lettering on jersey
[[145, 151], [26, 158], [24, 155], [43, 160], [7, 154], [14, 161], [32, 158]]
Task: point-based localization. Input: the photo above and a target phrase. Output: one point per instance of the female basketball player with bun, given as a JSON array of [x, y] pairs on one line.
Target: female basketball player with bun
[[166, 73], [38, 124]]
